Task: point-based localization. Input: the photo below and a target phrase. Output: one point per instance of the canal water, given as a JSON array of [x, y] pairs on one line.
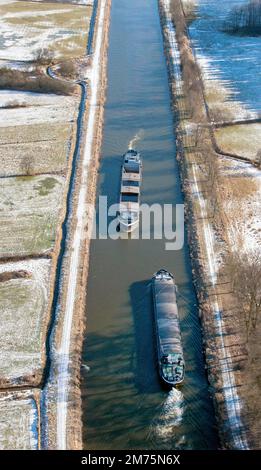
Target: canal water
[[124, 405]]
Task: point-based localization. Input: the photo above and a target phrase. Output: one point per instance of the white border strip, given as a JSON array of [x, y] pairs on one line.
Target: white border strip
[[63, 354]]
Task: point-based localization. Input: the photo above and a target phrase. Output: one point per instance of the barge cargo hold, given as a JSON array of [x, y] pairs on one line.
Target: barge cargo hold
[[169, 346], [129, 210]]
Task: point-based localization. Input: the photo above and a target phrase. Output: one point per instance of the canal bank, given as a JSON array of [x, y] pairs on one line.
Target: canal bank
[[124, 406], [225, 352], [61, 426]]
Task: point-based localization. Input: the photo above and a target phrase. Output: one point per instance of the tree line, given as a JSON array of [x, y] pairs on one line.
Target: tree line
[[245, 19]]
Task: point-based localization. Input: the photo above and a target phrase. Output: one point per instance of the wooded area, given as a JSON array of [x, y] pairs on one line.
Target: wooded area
[[245, 20]]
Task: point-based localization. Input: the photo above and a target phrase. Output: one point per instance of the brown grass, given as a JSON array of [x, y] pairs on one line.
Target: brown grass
[[239, 188], [11, 79], [8, 276], [190, 70], [242, 139]]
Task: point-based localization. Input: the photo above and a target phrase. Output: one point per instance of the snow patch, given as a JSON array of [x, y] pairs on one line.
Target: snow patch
[[18, 421], [233, 405]]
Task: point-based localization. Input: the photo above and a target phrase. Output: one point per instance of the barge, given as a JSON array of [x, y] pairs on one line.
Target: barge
[[129, 207], [170, 358]]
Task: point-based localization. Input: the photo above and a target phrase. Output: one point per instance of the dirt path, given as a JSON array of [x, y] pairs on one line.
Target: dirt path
[[79, 232]]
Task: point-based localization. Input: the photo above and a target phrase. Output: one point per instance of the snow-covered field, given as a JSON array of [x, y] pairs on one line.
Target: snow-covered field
[[29, 214], [241, 189], [34, 115], [77, 2], [241, 183], [18, 421], [34, 126], [25, 27], [23, 313], [26, 108], [243, 139], [220, 94], [36, 136], [36, 133], [232, 401], [27, 143], [23, 98]]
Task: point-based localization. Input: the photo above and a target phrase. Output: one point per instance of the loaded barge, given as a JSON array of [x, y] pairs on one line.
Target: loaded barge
[[129, 209], [169, 347]]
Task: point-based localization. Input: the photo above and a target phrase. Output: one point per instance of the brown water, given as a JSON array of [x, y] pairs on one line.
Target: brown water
[[124, 406]]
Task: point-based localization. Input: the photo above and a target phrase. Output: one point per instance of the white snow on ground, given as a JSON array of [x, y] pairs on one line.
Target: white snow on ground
[[39, 268], [80, 2], [30, 13], [233, 405], [23, 315], [213, 82], [21, 40], [232, 401], [16, 45], [64, 350], [245, 231], [30, 209], [33, 125], [35, 114], [208, 231], [187, 4], [31, 99], [37, 108], [16, 65], [18, 421]]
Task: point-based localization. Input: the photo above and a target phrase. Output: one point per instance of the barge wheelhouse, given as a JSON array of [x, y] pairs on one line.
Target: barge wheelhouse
[[129, 210], [169, 346]]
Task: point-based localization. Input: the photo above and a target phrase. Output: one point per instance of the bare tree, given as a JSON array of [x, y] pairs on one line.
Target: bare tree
[[208, 164], [190, 10], [68, 69], [36, 81], [12, 104], [43, 56], [245, 19], [202, 141], [258, 158], [245, 272], [27, 165]]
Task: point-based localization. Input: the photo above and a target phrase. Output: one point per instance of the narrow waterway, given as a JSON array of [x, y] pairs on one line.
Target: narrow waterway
[[124, 406]]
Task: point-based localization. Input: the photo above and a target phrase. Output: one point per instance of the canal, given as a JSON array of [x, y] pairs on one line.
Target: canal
[[124, 406]]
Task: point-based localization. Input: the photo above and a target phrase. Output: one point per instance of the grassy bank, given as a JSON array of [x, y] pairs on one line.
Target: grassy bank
[[204, 182]]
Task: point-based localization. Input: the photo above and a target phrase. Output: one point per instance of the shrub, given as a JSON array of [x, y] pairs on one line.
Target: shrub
[[68, 69], [27, 165], [37, 82], [14, 104], [43, 56]]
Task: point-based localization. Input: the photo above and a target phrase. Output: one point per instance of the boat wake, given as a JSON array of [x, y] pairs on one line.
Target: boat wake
[[139, 136], [169, 417]]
